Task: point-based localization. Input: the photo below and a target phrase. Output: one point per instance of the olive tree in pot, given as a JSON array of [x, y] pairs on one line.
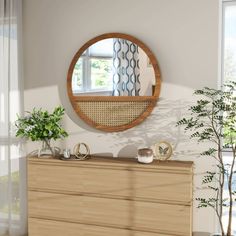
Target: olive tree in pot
[[40, 125], [213, 119]]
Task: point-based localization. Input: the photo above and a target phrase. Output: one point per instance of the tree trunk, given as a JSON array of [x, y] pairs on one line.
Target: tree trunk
[[230, 195]]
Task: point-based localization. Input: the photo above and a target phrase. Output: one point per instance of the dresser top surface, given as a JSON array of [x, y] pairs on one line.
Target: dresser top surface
[[114, 162]]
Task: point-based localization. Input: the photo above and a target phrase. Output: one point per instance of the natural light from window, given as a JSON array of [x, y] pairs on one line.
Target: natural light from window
[[229, 72], [229, 39], [93, 71]]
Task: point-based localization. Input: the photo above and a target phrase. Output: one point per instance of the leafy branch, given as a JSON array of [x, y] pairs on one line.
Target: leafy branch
[[213, 119], [41, 125]]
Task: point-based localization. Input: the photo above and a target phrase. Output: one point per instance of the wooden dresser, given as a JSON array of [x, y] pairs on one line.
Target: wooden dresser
[[109, 197]]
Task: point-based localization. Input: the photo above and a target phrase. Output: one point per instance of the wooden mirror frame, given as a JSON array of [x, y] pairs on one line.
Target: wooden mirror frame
[[128, 111]]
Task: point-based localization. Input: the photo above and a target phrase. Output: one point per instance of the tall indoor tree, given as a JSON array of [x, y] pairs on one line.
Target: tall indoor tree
[[213, 119]]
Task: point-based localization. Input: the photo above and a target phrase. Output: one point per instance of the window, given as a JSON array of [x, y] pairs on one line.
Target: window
[[93, 71], [229, 73], [229, 41]]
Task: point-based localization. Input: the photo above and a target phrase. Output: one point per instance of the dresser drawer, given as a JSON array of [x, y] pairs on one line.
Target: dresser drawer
[[111, 182], [164, 218], [39, 227], [106, 197], [142, 233], [163, 186], [81, 209]]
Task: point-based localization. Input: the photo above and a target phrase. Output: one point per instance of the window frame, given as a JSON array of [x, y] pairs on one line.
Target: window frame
[[224, 4], [87, 73]]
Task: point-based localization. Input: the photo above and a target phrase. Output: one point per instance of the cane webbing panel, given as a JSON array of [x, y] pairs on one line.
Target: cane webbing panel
[[112, 113]]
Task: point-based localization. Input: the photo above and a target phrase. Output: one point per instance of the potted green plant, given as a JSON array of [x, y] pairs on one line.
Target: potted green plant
[[40, 125], [213, 119]]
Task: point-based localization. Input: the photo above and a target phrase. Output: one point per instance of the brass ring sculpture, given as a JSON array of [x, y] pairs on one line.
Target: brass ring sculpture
[[77, 151]]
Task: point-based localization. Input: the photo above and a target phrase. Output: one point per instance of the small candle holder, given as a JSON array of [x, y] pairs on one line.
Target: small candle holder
[[145, 155], [66, 153]]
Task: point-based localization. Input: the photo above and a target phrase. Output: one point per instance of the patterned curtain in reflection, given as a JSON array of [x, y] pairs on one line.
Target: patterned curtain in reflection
[[13, 212], [125, 68]]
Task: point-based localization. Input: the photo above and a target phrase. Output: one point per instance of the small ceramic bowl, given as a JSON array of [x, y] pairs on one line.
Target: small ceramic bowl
[[145, 155]]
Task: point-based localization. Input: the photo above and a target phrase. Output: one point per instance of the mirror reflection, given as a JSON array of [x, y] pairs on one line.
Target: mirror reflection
[[113, 67]]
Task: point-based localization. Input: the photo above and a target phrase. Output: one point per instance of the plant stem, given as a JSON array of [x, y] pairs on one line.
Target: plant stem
[[230, 194], [47, 141], [221, 182], [220, 221], [219, 209]]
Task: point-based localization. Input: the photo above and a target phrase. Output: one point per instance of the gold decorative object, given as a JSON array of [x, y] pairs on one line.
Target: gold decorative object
[[78, 153], [163, 150]]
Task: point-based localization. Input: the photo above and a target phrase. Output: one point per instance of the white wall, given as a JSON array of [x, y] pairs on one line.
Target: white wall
[[147, 74], [181, 33]]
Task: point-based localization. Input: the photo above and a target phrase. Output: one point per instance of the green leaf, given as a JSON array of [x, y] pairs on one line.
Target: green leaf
[[40, 124]]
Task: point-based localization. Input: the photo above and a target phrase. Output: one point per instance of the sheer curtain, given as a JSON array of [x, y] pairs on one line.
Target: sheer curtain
[[12, 163]]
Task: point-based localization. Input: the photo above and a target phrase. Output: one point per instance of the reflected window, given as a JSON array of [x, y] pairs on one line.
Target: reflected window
[[113, 67], [93, 70]]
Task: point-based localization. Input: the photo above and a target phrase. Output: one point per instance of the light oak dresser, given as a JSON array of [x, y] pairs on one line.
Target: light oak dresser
[[109, 197]]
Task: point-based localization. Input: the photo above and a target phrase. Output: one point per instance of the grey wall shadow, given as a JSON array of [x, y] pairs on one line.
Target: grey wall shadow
[[160, 125]]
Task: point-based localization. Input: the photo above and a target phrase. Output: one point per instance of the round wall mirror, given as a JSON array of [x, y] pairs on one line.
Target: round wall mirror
[[113, 82]]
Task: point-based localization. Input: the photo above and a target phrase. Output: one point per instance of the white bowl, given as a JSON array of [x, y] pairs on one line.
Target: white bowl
[[145, 159]]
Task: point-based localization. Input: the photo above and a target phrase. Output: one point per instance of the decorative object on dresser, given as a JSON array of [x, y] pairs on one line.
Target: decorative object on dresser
[[109, 196], [163, 150], [81, 151], [43, 126], [66, 153], [145, 155], [108, 83]]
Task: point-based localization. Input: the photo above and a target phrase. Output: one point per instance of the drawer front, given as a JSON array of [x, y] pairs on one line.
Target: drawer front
[[163, 186], [81, 209], [141, 233], [39, 227], [64, 179], [164, 218]]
